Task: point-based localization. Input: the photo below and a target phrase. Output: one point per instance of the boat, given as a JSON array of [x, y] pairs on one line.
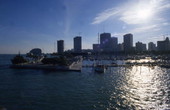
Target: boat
[[100, 69]]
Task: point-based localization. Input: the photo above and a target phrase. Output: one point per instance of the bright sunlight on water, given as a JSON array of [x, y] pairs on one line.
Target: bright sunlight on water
[[143, 87], [121, 88]]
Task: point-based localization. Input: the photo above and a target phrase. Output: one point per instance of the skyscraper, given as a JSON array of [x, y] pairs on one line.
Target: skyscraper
[[164, 45], [128, 42], [105, 42], [96, 47], [120, 47], [60, 46], [114, 44], [108, 43], [77, 44], [151, 46], [140, 46]]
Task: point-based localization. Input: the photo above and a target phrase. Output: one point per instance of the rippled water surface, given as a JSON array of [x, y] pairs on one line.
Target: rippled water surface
[[138, 87]]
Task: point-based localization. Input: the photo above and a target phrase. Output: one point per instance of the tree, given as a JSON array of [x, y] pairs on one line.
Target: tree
[[18, 60]]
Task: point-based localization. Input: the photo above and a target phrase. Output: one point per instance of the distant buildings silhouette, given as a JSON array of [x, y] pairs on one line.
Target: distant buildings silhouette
[[151, 46], [163, 45], [109, 44], [77, 44], [60, 46], [128, 42], [140, 47], [96, 47]]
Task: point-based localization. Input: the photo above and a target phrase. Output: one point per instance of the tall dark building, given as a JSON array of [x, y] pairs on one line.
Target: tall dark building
[[120, 47], [60, 46], [151, 46], [128, 42], [105, 42], [96, 47], [108, 43], [77, 44], [114, 44], [140, 46], [104, 37], [163, 45]]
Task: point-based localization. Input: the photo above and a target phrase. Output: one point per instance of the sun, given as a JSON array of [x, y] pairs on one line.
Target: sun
[[144, 14]]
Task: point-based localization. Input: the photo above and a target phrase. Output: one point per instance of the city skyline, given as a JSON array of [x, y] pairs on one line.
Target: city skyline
[[38, 24], [108, 44]]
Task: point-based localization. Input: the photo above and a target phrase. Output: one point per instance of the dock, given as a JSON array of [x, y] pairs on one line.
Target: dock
[[73, 67], [120, 65], [76, 66]]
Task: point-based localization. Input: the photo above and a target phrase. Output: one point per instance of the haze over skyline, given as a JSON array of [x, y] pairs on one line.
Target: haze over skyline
[[27, 24]]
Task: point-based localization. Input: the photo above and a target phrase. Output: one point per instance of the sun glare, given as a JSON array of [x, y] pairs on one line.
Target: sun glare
[[144, 14]]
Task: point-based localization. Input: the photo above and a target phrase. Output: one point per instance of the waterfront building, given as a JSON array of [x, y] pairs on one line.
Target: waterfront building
[[35, 52], [151, 46], [140, 46], [163, 45], [128, 42], [34, 55], [77, 44], [60, 46]]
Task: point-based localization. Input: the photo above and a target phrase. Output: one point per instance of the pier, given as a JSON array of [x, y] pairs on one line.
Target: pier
[[75, 66]]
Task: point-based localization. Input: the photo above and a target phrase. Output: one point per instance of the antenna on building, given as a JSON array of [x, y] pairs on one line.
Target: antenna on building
[[98, 37], [54, 47], [164, 37]]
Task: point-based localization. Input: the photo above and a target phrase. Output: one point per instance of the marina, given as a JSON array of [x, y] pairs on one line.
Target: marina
[[118, 88], [80, 63], [84, 55], [47, 67]]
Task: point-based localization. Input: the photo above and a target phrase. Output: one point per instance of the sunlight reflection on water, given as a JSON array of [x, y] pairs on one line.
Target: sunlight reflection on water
[[121, 88], [143, 87]]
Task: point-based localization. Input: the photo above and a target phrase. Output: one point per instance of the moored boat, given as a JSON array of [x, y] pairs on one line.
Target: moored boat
[[100, 68]]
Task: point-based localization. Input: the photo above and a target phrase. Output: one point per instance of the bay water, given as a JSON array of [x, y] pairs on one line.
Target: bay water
[[130, 88]]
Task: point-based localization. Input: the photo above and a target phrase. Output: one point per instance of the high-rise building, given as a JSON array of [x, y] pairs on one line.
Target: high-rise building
[[140, 46], [108, 43], [105, 42], [151, 46], [128, 42], [163, 45], [60, 46], [77, 44], [114, 44]]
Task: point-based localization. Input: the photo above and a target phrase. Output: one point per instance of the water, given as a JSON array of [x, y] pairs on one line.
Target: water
[[138, 87]]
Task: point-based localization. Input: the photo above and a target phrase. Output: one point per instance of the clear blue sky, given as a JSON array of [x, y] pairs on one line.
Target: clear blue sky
[[27, 24]]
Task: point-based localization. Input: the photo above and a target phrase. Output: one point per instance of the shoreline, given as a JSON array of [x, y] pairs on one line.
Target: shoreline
[[44, 67]]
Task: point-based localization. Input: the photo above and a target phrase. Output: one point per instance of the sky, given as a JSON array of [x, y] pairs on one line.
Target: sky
[[28, 24]]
